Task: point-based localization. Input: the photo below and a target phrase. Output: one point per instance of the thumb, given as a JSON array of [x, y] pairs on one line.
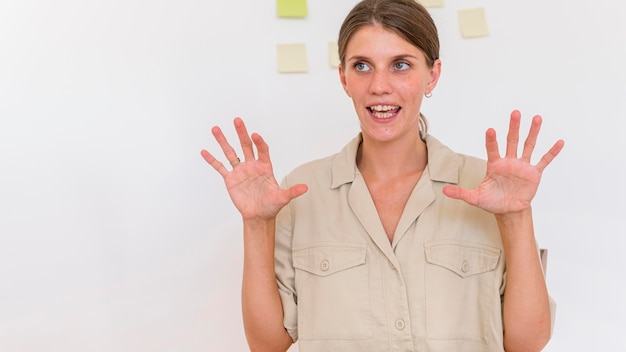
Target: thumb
[[453, 191], [456, 192], [285, 196], [296, 190]]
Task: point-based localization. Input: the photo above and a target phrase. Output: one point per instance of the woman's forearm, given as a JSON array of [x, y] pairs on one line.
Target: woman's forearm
[[526, 311], [261, 304]]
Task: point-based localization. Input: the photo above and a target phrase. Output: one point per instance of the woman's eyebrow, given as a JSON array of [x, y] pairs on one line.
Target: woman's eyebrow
[[394, 58], [358, 58], [405, 56]]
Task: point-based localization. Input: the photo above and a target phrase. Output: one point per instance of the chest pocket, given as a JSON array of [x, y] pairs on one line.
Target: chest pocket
[[462, 289], [332, 289], [324, 260], [464, 259]]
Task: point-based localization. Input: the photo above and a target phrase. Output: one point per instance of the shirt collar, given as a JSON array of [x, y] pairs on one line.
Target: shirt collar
[[443, 163]]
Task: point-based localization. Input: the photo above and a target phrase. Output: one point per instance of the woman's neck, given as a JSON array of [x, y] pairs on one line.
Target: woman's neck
[[388, 160]]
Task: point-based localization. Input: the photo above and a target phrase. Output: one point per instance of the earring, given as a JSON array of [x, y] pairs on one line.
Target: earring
[[428, 95]]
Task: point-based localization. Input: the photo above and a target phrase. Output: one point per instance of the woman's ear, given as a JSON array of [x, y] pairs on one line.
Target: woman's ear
[[342, 78], [435, 73]]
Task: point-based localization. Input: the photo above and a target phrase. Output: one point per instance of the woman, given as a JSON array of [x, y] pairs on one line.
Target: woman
[[396, 243]]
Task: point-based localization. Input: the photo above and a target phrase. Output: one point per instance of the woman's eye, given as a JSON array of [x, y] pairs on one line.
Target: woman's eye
[[401, 65], [359, 66]]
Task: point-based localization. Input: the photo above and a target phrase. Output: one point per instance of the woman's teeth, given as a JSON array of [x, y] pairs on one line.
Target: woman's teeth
[[383, 111]]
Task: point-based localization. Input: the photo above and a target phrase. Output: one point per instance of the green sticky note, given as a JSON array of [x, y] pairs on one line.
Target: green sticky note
[[291, 8]]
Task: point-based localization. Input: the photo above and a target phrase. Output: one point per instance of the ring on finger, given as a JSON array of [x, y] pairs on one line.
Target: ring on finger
[[235, 162]]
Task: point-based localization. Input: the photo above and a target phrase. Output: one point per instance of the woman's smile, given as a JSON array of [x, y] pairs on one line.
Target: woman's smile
[[383, 112], [386, 76]]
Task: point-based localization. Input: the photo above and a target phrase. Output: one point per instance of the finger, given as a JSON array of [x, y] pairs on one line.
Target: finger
[[296, 191], [457, 192], [512, 138], [550, 155], [287, 195], [491, 144], [531, 140], [228, 150], [216, 164], [244, 139], [262, 148]]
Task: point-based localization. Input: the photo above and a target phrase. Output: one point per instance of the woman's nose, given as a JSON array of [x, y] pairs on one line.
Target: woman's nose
[[380, 83]]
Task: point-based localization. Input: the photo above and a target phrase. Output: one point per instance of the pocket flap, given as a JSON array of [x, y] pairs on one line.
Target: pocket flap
[[324, 259], [463, 258]]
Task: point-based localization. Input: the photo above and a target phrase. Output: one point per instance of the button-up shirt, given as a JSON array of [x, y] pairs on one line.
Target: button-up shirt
[[438, 286]]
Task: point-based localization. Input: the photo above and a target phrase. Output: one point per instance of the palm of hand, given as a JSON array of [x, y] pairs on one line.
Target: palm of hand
[[251, 184], [511, 182], [509, 186], [254, 190]]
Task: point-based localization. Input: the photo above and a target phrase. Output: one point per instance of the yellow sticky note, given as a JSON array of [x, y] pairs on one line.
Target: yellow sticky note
[[431, 3], [291, 8], [291, 58], [473, 23], [333, 54]]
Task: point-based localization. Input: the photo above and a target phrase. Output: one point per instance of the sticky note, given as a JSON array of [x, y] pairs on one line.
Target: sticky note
[[333, 54], [473, 23], [431, 3], [291, 8], [291, 58]]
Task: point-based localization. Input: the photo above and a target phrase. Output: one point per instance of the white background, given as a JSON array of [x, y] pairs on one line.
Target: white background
[[116, 236]]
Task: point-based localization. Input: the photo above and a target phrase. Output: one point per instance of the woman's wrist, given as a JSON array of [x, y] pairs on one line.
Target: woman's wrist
[[515, 218], [516, 226], [259, 233]]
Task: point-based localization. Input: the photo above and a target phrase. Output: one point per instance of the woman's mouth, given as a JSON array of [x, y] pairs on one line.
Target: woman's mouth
[[383, 111]]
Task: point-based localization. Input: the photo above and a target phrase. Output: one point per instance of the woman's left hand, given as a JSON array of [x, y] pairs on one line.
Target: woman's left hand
[[511, 182]]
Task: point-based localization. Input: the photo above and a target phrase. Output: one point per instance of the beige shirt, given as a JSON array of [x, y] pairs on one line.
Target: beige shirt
[[345, 287]]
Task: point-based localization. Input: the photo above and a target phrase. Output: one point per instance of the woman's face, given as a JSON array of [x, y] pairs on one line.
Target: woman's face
[[386, 77]]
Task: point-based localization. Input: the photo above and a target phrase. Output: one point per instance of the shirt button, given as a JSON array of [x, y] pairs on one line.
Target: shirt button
[[465, 266], [400, 324], [325, 265]]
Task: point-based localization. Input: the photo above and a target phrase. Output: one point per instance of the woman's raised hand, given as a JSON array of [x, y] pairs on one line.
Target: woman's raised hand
[[251, 183], [511, 182]]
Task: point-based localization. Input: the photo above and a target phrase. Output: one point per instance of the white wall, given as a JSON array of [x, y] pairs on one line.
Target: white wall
[[116, 236]]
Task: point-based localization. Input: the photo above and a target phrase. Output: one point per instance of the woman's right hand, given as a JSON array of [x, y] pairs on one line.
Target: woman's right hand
[[251, 183]]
